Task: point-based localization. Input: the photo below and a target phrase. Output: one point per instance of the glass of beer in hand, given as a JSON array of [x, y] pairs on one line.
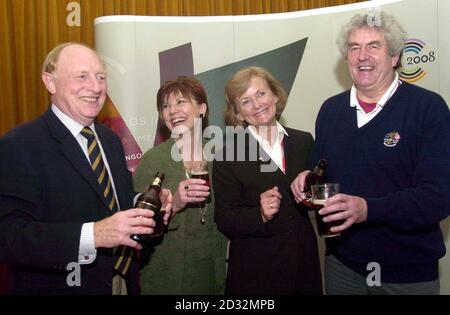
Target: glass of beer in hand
[[320, 193], [200, 171]]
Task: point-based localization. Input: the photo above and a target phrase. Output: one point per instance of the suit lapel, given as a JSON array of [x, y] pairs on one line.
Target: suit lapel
[[289, 157], [72, 151]]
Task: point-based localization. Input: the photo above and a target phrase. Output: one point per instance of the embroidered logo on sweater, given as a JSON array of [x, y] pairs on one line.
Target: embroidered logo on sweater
[[391, 139]]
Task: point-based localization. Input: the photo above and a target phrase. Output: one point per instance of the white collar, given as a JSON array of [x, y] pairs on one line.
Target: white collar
[[73, 126], [280, 131], [382, 101]]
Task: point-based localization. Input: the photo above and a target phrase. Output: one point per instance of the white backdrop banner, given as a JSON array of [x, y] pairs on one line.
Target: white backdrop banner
[[299, 48]]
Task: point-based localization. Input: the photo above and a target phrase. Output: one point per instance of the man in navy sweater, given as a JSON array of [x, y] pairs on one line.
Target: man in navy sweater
[[387, 143]]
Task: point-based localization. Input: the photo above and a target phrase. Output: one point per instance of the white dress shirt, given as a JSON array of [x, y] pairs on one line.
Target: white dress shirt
[[275, 151], [362, 116]]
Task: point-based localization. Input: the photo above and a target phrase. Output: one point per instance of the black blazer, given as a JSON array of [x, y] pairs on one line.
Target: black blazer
[[280, 256], [47, 191]]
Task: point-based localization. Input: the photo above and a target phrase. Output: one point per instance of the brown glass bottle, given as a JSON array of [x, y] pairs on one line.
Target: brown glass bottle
[[150, 200], [317, 176]]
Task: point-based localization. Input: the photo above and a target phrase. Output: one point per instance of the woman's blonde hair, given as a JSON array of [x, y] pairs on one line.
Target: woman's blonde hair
[[240, 82]]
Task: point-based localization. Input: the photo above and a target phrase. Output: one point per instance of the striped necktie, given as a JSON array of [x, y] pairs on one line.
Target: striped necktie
[[99, 168], [123, 260]]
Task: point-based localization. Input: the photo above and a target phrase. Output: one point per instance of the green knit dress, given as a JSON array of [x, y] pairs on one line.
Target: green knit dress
[[190, 258]]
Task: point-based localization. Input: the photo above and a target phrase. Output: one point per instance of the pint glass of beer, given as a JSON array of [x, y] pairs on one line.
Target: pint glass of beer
[[200, 171], [320, 193]]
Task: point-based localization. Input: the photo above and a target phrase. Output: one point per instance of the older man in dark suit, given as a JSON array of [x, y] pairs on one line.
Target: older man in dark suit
[[63, 179]]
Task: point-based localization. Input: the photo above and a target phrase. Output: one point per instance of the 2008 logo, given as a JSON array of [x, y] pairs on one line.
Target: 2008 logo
[[415, 56]]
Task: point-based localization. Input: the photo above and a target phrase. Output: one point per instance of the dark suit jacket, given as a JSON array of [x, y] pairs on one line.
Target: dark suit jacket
[[280, 256], [47, 191]]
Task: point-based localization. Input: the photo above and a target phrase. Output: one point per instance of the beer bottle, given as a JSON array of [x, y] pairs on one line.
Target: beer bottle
[[150, 200], [317, 176]]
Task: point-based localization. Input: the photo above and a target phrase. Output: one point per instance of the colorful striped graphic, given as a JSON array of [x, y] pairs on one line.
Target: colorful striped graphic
[[414, 45], [111, 117], [411, 72]]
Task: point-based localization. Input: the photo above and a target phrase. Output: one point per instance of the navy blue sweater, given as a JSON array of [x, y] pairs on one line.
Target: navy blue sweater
[[400, 163]]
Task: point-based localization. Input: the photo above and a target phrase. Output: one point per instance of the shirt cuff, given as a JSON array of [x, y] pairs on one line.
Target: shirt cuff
[[87, 252]]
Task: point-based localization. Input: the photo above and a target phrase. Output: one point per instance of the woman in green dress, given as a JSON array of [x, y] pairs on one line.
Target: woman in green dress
[[190, 256]]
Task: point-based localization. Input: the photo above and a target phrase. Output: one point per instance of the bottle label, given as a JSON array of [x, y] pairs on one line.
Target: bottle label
[[157, 181], [148, 206]]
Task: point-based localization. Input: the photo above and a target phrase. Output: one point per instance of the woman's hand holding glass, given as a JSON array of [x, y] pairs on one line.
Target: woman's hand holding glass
[[192, 190]]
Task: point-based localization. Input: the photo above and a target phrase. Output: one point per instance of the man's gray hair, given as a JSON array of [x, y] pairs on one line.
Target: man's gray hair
[[386, 24]]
